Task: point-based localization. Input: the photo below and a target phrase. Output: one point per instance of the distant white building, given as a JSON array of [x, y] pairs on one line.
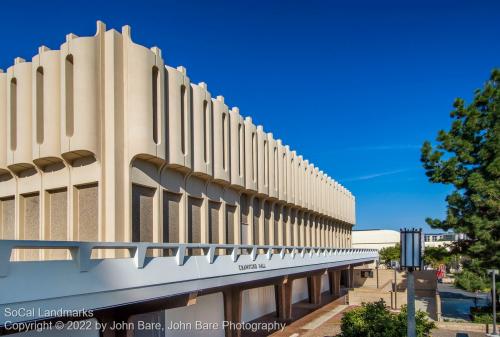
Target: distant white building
[[375, 238], [442, 239]]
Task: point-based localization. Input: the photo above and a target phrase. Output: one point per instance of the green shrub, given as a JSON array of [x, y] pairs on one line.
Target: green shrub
[[375, 320], [483, 315], [388, 254], [471, 281]]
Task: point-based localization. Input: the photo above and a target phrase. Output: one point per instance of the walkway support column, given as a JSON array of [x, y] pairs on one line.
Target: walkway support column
[[350, 277], [334, 281], [283, 297], [232, 311], [314, 288]]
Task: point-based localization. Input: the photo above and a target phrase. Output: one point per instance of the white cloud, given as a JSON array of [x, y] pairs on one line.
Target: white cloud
[[376, 175]]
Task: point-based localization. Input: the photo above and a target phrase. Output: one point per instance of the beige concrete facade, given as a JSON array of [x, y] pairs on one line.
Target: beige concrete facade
[[102, 141]]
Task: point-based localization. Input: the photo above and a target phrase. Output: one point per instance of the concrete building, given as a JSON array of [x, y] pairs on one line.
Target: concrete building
[[102, 141], [375, 238], [106, 151], [443, 239]]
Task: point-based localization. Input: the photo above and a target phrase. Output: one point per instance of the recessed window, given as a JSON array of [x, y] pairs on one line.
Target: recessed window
[[254, 157], [183, 116], [155, 87], [284, 173], [13, 114], [242, 149], [205, 131], [39, 105], [69, 81], [276, 181], [266, 163], [224, 149]]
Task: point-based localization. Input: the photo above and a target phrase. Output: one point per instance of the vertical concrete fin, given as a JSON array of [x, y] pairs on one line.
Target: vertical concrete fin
[[100, 28]]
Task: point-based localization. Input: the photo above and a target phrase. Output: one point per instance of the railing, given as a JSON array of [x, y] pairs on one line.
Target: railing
[[81, 251], [84, 282]]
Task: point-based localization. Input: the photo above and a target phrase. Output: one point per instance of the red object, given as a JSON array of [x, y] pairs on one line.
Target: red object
[[441, 272]]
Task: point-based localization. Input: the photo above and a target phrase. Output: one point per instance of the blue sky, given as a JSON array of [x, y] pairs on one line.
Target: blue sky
[[355, 87]]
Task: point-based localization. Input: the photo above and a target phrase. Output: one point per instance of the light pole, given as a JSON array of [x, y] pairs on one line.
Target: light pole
[[493, 273], [395, 266], [411, 260]]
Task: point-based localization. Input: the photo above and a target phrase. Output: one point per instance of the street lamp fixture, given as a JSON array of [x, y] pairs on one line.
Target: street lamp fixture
[[411, 249], [411, 260]]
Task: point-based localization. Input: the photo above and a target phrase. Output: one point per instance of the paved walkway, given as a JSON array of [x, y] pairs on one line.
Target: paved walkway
[[324, 321], [449, 333], [308, 320]]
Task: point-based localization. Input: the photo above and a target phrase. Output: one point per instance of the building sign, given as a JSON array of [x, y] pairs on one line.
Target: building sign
[[251, 266]]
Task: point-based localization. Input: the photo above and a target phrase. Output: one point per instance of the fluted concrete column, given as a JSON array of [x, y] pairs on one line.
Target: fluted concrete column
[[337, 235], [318, 231], [250, 220], [281, 232], [183, 213], [307, 225], [273, 236], [237, 221], [313, 230], [343, 236], [204, 230], [289, 227], [330, 234], [323, 232], [294, 226], [303, 229], [260, 240]]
